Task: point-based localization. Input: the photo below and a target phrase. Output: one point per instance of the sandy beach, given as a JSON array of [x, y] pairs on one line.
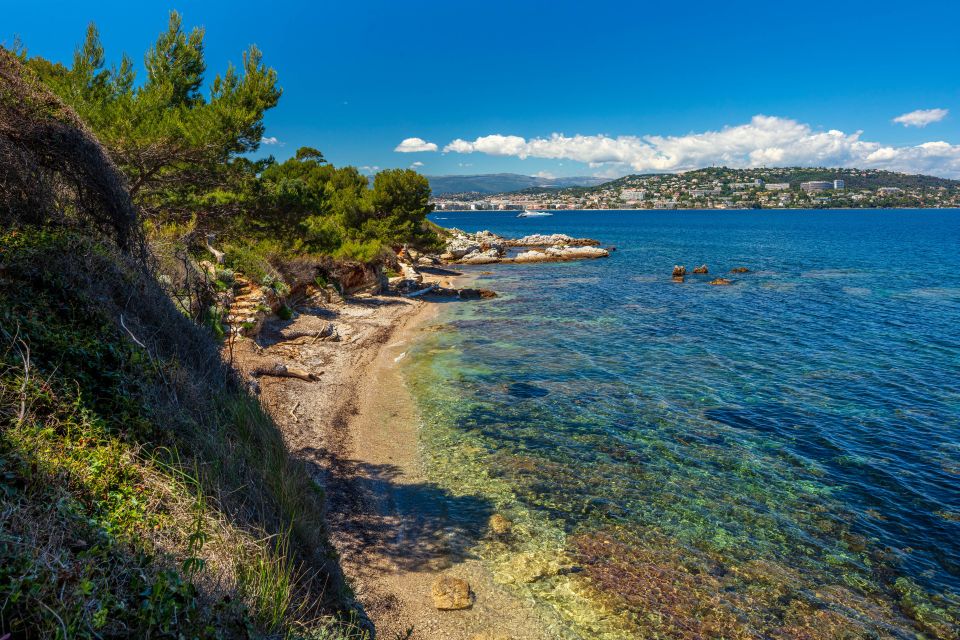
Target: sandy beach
[[356, 426]]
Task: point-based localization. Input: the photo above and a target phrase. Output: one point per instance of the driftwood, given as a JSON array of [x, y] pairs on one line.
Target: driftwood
[[329, 332], [283, 371], [421, 291]]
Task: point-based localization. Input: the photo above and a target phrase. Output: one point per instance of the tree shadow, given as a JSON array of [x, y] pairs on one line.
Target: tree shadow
[[379, 516]]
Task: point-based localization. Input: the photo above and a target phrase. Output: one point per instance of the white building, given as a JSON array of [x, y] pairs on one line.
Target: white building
[[777, 186], [634, 195], [839, 185], [816, 185]]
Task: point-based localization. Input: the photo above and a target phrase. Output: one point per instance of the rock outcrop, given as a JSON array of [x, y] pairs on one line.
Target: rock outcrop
[[721, 282], [558, 254], [702, 269], [553, 240], [485, 247]]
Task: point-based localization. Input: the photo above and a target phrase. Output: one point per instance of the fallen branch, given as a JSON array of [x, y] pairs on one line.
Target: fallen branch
[[283, 371]]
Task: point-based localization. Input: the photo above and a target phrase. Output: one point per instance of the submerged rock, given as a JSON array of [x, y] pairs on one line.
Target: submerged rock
[[451, 593], [526, 390], [739, 270], [721, 282], [500, 525]]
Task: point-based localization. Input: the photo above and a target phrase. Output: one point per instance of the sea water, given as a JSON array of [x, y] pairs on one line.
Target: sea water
[[776, 458]]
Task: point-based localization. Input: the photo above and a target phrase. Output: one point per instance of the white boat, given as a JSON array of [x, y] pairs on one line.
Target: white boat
[[533, 214]]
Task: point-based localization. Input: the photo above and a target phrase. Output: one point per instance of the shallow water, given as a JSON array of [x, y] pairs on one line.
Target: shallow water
[[777, 458]]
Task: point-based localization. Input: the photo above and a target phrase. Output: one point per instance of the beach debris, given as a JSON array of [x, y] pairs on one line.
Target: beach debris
[[721, 282], [679, 271], [500, 525], [701, 269], [451, 593], [283, 371], [739, 270]]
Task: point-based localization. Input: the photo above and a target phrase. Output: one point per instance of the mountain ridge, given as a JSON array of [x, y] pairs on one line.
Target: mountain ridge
[[490, 183]]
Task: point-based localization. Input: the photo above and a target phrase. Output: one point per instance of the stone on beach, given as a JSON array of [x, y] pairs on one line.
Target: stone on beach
[[451, 593]]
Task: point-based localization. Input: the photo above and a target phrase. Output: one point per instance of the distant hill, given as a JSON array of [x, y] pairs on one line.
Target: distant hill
[[504, 182], [854, 178]]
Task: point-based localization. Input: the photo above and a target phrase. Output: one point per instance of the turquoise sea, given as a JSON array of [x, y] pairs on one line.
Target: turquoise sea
[[779, 458]]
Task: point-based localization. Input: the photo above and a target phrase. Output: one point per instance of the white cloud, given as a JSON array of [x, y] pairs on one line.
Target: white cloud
[[369, 169], [922, 117], [416, 165], [545, 175], [764, 141], [270, 140], [412, 145]]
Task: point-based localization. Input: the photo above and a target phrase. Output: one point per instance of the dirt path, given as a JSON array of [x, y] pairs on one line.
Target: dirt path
[[357, 429]]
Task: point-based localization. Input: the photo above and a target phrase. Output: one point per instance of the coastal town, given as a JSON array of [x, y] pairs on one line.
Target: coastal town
[[722, 188]]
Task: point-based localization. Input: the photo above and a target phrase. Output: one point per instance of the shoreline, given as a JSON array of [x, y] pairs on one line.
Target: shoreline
[[356, 428]]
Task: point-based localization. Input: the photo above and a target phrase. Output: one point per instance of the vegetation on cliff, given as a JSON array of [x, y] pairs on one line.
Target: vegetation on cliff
[[143, 491]]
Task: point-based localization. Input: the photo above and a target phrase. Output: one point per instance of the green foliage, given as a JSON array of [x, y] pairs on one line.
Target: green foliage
[[317, 208], [118, 466], [180, 150]]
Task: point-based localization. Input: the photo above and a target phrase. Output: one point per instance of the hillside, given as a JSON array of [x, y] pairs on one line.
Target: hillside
[[143, 490], [725, 188], [854, 178], [502, 182]]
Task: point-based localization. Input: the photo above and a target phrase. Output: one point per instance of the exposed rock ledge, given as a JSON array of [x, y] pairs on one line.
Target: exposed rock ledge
[[485, 247]]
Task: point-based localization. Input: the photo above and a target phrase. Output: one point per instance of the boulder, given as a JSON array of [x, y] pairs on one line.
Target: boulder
[[576, 253], [739, 270], [721, 282], [451, 593], [500, 525], [679, 271], [481, 257], [701, 269], [461, 246], [555, 254]]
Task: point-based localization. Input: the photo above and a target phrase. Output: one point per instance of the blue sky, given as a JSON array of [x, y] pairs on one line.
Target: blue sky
[[573, 88]]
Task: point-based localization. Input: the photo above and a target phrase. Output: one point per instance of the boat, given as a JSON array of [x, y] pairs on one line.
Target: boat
[[533, 214]]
